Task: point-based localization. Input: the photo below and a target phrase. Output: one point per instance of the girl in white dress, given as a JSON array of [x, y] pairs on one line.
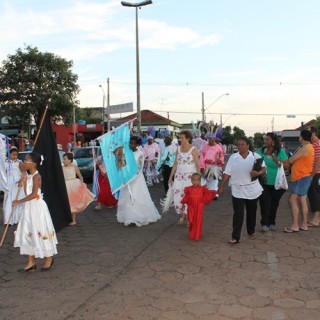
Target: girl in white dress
[[35, 234], [14, 169], [140, 210], [186, 164]]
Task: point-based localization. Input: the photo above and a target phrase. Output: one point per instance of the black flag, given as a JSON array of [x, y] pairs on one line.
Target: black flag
[[53, 184]]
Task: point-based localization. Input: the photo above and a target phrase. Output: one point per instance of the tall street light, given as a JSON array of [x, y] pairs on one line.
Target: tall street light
[[203, 110], [103, 106], [137, 5]]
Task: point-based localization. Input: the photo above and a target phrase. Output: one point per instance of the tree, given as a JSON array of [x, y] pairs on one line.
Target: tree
[[89, 115], [317, 124], [237, 133], [30, 80], [258, 139], [227, 137]]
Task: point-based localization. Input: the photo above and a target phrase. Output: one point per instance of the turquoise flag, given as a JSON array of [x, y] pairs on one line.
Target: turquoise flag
[[119, 159]]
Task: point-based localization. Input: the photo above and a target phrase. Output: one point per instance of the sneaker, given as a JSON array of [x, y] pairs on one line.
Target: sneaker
[[264, 228], [272, 227]]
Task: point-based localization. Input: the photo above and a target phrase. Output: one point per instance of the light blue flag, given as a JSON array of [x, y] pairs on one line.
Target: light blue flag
[[120, 163]]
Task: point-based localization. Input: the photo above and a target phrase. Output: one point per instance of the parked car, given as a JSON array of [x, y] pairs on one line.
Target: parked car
[[84, 158]]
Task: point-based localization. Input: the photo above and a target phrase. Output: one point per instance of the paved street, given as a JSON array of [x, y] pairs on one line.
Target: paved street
[[107, 271]]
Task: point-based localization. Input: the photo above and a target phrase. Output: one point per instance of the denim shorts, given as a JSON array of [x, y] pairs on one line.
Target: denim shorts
[[301, 186]]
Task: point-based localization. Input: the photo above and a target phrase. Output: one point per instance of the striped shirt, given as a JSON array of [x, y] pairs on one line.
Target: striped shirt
[[316, 146]]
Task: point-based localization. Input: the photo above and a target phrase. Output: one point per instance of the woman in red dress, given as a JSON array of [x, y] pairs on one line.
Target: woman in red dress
[[196, 196], [104, 191]]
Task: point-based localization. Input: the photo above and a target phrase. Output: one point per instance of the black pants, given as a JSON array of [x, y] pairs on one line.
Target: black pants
[[166, 171], [269, 203], [238, 216], [314, 193]]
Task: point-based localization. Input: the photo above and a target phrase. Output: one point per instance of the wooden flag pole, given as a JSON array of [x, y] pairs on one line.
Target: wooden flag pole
[[40, 127], [11, 214], [12, 211]]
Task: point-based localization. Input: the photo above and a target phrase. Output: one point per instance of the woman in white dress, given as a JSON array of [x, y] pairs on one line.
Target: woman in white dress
[[14, 169], [35, 235], [186, 163], [138, 208]]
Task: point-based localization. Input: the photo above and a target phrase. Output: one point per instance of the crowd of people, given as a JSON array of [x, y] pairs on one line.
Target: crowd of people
[[190, 172]]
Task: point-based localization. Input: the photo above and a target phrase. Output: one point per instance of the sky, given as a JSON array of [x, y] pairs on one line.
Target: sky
[[263, 53]]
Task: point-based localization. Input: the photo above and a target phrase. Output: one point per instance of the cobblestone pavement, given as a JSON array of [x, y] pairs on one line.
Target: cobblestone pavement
[[107, 271]]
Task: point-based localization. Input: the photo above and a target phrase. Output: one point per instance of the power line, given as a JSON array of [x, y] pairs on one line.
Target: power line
[[193, 84], [239, 114]]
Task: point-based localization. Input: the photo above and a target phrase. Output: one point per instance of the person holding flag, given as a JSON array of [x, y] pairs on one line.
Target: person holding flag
[[135, 205]]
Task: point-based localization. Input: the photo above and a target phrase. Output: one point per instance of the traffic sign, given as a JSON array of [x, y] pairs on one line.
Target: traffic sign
[[120, 108]]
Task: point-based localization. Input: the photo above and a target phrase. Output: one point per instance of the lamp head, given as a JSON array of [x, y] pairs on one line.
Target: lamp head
[[139, 4]]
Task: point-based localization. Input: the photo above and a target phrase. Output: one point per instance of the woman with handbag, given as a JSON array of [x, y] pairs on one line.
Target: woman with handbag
[[274, 156], [245, 187]]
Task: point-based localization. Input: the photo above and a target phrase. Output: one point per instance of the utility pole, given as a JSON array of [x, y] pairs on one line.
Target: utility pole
[[202, 110], [108, 105]]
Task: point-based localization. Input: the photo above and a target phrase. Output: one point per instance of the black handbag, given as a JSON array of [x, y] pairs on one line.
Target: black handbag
[[257, 166]]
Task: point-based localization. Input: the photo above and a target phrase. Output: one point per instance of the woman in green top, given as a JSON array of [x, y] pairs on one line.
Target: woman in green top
[[273, 155]]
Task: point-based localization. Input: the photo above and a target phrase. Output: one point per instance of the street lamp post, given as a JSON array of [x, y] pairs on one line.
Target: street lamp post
[[103, 106], [203, 110], [108, 104], [137, 5]]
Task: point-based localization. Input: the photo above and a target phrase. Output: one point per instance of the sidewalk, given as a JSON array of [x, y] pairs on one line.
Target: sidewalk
[[107, 271]]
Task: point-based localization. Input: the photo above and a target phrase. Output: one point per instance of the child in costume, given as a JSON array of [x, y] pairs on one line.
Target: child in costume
[[35, 235], [195, 197], [104, 191], [78, 194], [14, 169]]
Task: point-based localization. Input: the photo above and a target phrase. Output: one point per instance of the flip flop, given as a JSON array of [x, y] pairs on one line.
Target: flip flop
[[312, 224], [233, 241], [303, 229], [289, 230], [253, 236]]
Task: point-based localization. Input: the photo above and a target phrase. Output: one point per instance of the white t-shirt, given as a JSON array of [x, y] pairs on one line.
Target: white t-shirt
[[239, 170]]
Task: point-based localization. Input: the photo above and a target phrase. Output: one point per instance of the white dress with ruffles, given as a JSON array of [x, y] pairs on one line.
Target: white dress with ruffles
[[13, 176], [35, 234], [182, 178], [135, 204]]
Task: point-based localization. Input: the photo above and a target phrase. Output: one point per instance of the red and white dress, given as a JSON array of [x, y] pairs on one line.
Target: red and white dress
[[182, 178]]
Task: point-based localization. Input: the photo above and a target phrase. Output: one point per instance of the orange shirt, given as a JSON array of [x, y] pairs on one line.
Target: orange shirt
[[303, 166]]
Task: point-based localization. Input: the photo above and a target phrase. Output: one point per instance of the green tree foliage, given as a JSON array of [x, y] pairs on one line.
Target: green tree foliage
[[258, 139], [89, 115], [227, 137], [30, 80], [237, 133], [317, 124]]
